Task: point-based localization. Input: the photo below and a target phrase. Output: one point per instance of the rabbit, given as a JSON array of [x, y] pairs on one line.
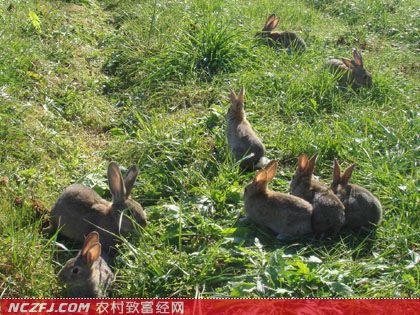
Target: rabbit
[[87, 274], [242, 139], [285, 39], [80, 210], [354, 73], [328, 211], [363, 209], [286, 215]]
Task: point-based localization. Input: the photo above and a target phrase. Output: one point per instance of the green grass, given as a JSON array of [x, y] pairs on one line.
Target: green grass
[[86, 82]]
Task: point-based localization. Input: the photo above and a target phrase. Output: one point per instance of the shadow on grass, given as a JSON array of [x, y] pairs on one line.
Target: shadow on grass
[[359, 242]]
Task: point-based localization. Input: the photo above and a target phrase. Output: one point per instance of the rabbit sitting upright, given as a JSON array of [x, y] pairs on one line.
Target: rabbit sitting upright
[[352, 71], [285, 39], [242, 139], [363, 209], [286, 215], [328, 214], [87, 274], [79, 210]]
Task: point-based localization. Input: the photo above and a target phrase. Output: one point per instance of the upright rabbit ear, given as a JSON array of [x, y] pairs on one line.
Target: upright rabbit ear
[[241, 95], [270, 19], [91, 238], [116, 184], [357, 58], [130, 179], [347, 174], [271, 170], [336, 173], [302, 162], [347, 62], [274, 23], [260, 180], [311, 164], [92, 254], [232, 96]]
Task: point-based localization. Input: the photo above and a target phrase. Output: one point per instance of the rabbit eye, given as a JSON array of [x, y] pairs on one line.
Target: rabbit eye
[[75, 270]]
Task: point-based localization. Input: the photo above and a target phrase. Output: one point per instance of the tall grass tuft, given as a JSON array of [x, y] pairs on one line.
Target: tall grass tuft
[[204, 50], [211, 48]]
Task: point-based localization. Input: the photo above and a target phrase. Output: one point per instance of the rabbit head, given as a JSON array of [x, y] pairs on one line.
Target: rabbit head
[[87, 274], [361, 76], [269, 26], [341, 181], [262, 178], [302, 179], [236, 110], [120, 189]]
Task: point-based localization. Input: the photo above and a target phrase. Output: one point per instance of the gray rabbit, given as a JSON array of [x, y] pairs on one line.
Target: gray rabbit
[[353, 71], [242, 139], [79, 210], [286, 215], [87, 274], [363, 209], [328, 211], [286, 39]]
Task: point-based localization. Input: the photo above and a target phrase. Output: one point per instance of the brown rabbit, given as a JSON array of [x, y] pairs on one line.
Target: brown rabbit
[[242, 139], [285, 39], [354, 73], [363, 209], [80, 210], [87, 274], [328, 214], [284, 214]]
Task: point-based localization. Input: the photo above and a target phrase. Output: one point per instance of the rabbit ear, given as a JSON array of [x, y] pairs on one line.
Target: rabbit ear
[[274, 23], [271, 170], [302, 162], [232, 96], [347, 62], [241, 95], [92, 254], [91, 238], [130, 179], [116, 184], [260, 180], [270, 19], [357, 58], [336, 173], [311, 164], [347, 174]]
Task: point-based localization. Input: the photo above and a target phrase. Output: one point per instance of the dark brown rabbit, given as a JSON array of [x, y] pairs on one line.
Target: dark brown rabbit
[[87, 274], [79, 210], [286, 215], [242, 139], [328, 214], [363, 209], [285, 39], [352, 71]]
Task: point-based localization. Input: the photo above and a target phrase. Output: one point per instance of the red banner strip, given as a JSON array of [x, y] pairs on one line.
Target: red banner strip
[[209, 306]]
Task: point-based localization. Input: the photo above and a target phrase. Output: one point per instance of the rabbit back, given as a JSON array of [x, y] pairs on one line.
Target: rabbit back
[[336, 66], [328, 212], [284, 214], [243, 141], [287, 40], [78, 210], [363, 209]]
